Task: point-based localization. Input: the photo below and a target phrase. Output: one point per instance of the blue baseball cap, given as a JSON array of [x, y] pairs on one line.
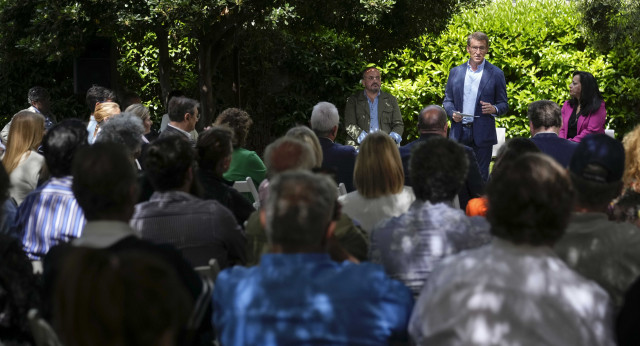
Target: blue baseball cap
[[598, 158]]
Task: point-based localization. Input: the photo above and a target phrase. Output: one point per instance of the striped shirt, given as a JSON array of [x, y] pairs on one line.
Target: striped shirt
[[48, 216]]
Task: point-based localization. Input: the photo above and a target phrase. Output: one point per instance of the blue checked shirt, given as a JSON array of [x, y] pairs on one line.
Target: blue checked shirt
[[48, 216]]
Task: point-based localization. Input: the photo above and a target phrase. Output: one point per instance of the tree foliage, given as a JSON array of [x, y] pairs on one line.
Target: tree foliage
[[537, 44]]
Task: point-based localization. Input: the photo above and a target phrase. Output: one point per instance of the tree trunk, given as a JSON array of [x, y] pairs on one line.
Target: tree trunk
[[164, 63]]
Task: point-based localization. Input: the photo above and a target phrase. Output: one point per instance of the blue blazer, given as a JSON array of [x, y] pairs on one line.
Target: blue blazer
[[559, 148], [473, 186], [340, 160], [492, 89]]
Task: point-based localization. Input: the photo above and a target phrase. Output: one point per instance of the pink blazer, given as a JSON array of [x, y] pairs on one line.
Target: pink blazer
[[592, 123]]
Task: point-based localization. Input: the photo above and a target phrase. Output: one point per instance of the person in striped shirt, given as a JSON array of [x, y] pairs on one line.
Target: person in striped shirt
[[50, 214]]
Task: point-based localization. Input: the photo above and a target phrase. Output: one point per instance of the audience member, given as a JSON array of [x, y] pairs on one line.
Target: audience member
[[509, 151], [297, 295], [200, 229], [214, 157], [515, 291], [432, 123], [102, 113], [104, 184], [183, 115], [626, 208], [244, 163], [601, 250], [40, 102], [285, 154], [21, 160], [379, 180], [409, 246], [95, 95], [19, 292], [165, 118], [142, 112], [336, 158], [631, 177], [145, 303], [291, 154], [306, 135], [545, 120], [19, 287], [50, 214], [129, 98], [125, 129]]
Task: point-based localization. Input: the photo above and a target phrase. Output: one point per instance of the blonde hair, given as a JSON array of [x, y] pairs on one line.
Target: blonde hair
[[378, 170], [25, 134], [104, 111], [631, 142], [307, 135], [139, 110]]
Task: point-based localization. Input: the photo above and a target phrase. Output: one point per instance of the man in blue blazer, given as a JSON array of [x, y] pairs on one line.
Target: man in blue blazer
[[432, 122], [476, 93], [336, 158], [545, 120]]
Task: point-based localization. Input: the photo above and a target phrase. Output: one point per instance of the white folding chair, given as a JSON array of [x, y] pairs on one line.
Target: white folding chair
[[43, 333], [342, 190], [247, 186], [210, 271]]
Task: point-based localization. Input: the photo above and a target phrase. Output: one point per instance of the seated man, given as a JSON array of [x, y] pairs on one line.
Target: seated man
[[601, 250], [409, 246], [105, 186], [515, 291], [297, 294], [336, 158], [545, 120], [50, 214], [201, 229], [432, 123]]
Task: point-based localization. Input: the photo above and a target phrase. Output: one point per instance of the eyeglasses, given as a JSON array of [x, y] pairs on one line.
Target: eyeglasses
[[478, 48]]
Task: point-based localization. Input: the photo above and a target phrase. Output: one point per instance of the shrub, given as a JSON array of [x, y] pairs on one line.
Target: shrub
[[537, 44]]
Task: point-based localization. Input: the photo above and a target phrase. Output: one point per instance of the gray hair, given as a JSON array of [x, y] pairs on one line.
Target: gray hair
[[324, 117], [37, 94], [125, 129], [288, 153], [299, 209]]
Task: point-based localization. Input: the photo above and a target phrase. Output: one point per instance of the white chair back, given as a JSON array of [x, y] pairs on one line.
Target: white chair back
[[342, 190], [247, 186]]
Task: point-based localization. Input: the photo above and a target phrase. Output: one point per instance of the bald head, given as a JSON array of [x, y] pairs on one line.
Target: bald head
[[433, 119]]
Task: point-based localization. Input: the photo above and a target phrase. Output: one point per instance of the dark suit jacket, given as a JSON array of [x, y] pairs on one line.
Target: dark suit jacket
[[170, 131], [492, 89], [473, 186], [340, 160], [559, 148]]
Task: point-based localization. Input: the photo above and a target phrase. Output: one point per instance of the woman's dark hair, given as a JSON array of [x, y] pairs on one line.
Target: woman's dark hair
[[590, 97], [214, 145]]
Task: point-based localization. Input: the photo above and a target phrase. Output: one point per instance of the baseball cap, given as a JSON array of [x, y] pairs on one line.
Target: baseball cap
[[598, 158]]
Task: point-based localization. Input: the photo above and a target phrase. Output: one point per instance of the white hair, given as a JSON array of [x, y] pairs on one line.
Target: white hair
[[324, 117]]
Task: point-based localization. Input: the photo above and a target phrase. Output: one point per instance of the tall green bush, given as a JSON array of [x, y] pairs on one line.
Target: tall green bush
[[538, 44]]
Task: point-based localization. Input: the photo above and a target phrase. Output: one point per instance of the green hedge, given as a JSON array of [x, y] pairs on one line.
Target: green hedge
[[537, 44]]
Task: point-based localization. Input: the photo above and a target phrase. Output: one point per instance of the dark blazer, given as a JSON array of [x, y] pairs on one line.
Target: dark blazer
[[340, 160], [473, 186], [171, 131], [559, 148], [492, 89]]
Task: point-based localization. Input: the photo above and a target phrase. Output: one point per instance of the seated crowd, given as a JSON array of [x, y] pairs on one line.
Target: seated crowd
[[128, 230]]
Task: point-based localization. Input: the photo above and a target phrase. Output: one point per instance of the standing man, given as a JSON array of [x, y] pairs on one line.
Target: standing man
[[40, 102], [476, 93], [372, 110]]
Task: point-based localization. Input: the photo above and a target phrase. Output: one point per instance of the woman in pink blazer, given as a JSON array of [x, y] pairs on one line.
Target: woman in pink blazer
[[584, 112]]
